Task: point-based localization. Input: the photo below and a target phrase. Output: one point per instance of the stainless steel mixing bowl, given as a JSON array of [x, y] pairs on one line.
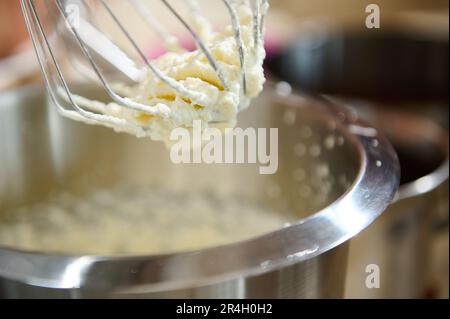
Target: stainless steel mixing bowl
[[401, 242], [336, 176]]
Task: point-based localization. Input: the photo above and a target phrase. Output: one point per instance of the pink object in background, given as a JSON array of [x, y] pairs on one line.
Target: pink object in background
[[273, 45]]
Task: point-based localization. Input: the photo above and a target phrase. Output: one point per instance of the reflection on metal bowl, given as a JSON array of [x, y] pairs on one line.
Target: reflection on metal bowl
[[401, 242]]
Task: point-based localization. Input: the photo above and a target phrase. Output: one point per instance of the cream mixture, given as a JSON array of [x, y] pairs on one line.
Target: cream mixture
[[193, 88], [135, 221]]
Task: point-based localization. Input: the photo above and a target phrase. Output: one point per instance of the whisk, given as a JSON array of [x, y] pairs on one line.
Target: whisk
[[97, 49]]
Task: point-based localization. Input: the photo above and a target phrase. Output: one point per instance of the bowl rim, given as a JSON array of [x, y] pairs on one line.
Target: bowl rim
[[371, 192]]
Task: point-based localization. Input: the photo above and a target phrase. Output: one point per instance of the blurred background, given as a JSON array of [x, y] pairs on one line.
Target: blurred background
[[395, 76]]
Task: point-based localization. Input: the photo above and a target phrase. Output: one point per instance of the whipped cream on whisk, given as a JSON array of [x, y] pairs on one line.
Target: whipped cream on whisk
[[211, 92]]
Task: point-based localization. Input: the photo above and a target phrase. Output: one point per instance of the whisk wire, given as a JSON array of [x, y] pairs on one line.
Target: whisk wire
[[239, 42], [200, 44], [36, 29], [89, 39], [194, 96], [116, 98]]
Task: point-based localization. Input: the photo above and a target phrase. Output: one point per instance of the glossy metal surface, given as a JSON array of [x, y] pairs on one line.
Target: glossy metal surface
[[401, 241], [41, 152]]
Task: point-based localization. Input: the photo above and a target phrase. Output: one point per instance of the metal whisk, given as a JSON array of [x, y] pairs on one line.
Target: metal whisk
[[95, 48]]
